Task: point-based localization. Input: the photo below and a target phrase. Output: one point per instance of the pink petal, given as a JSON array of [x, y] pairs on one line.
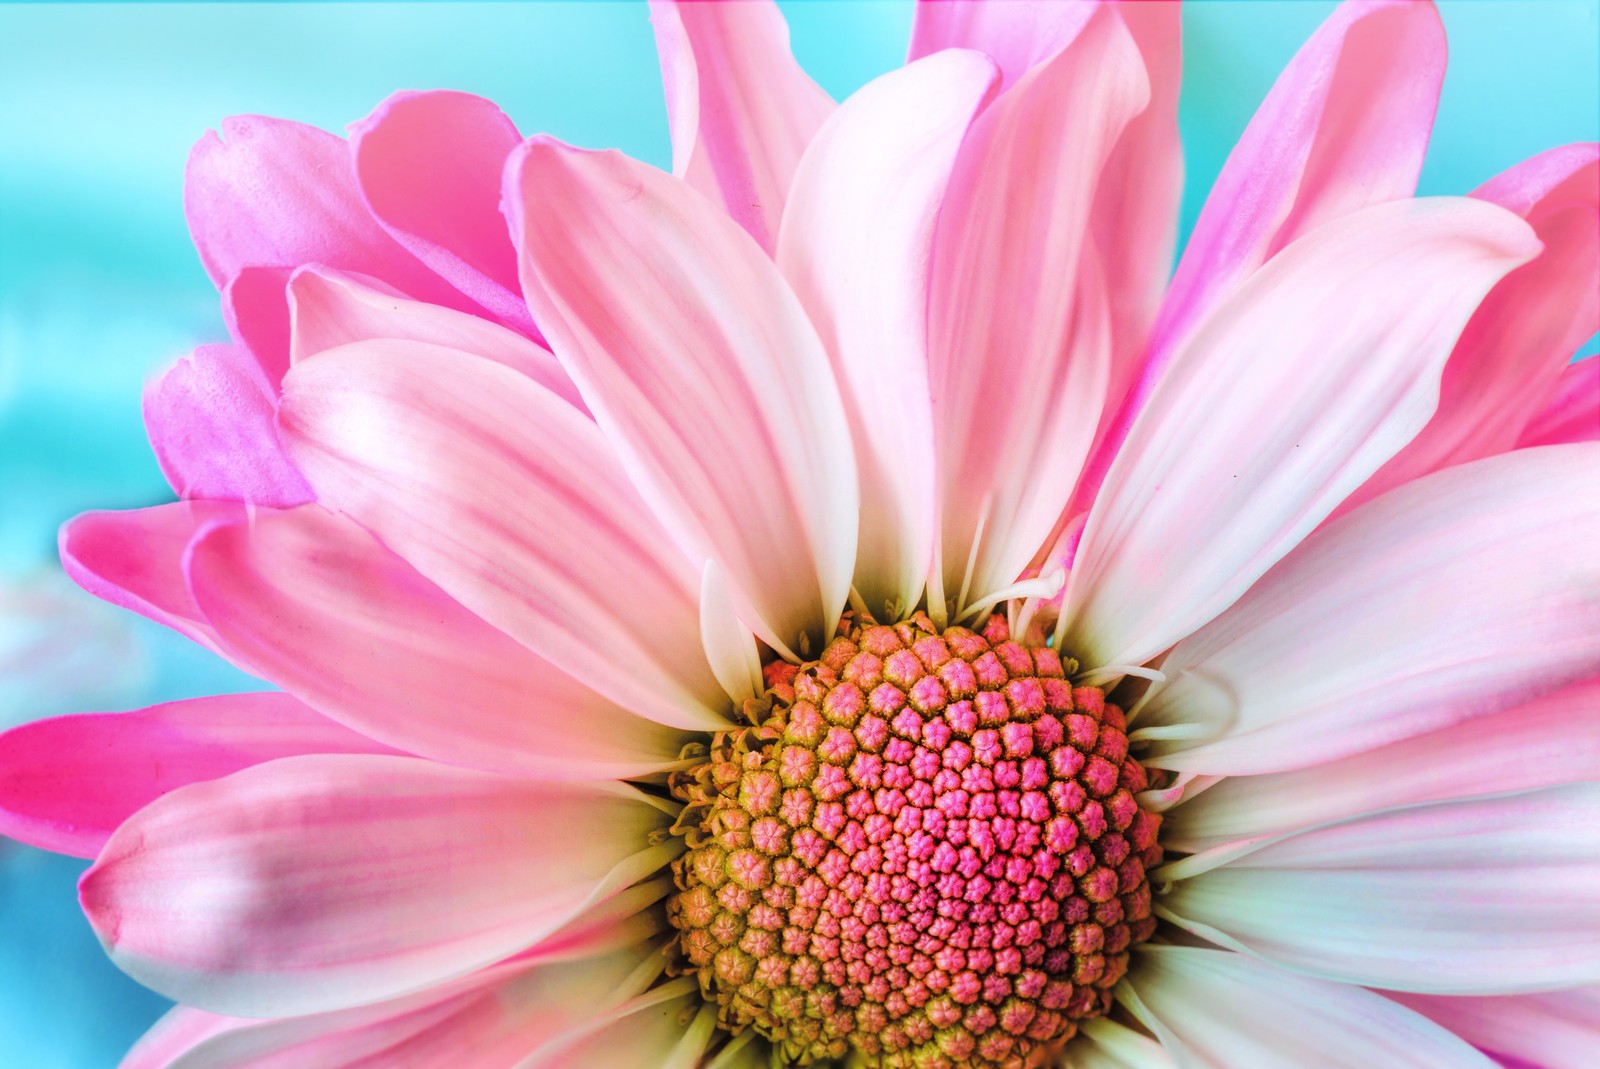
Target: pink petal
[[1017, 36], [210, 418], [70, 780], [741, 109], [1550, 740], [321, 608], [428, 165], [856, 243], [1345, 127], [497, 1015], [311, 884], [1553, 1029], [1463, 593], [1283, 404], [1213, 1009], [1487, 896], [702, 369], [1511, 356], [134, 560], [1136, 202], [274, 193], [256, 310], [661, 1029], [331, 308], [1020, 336], [510, 500], [1573, 414]]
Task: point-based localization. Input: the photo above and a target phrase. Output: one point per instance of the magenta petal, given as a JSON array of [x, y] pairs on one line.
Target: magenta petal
[[66, 783], [1573, 415], [211, 418], [274, 193], [429, 164], [255, 306]]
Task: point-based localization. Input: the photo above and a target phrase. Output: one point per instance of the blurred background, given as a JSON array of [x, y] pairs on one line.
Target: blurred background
[[99, 287]]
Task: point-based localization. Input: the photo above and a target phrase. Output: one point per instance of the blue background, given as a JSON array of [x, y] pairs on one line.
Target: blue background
[[99, 286]]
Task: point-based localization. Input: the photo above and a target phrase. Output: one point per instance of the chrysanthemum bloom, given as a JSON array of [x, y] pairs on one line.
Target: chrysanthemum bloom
[[897, 627]]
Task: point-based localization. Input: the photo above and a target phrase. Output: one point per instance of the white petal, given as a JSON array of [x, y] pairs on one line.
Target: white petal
[[1218, 1010], [1498, 895]]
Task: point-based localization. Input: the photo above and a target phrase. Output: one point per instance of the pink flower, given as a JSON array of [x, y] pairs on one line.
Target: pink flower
[[897, 626]]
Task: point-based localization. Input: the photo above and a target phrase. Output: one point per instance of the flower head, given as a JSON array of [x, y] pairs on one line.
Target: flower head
[[839, 604]]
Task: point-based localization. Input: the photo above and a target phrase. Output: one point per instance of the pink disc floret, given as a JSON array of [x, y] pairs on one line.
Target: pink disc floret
[[926, 851]]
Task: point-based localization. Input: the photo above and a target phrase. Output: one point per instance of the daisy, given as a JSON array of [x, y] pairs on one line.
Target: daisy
[[839, 604]]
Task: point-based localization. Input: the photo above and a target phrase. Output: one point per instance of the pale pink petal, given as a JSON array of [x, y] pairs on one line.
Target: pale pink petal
[[428, 164], [1017, 36], [1510, 357], [1345, 127], [134, 559], [666, 1028], [1485, 896], [1459, 594], [509, 499], [1283, 404], [67, 782], [703, 371], [210, 418], [1552, 1029], [1020, 336], [256, 310], [488, 1019], [1213, 1009], [311, 884], [1102, 1043], [856, 242], [1573, 414], [1550, 740], [330, 308], [274, 193], [741, 109], [324, 610]]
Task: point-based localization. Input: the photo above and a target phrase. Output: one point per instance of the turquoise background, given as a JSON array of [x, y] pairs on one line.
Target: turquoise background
[[99, 286]]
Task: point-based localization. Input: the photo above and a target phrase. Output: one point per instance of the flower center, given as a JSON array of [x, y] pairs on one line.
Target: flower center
[[927, 849]]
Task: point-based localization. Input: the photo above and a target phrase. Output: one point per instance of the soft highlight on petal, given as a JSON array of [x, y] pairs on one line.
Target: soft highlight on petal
[[1552, 1029], [509, 499]]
